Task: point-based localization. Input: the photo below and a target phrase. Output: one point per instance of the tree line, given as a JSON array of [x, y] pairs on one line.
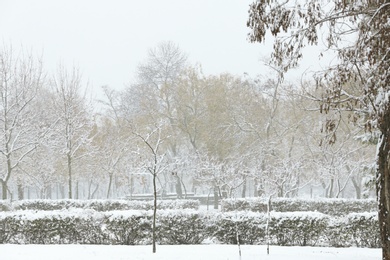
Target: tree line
[[218, 135]]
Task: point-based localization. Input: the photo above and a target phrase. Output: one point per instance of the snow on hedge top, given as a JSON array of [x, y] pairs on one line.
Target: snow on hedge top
[[334, 207], [98, 205], [31, 215]]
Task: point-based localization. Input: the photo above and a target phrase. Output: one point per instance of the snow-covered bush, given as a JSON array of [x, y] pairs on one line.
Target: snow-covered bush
[[364, 229], [355, 229], [46, 205], [128, 228], [103, 205], [297, 228], [250, 226], [52, 227], [335, 233], [181, 227], [5, 205], [333, 207], [8, 226]]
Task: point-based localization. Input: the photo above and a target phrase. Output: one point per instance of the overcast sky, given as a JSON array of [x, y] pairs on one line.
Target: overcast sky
[[107, 39]]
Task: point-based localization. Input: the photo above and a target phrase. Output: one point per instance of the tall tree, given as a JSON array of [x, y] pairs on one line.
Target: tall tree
[[156, 84], [359, 31], [21, 76], [75, 123]]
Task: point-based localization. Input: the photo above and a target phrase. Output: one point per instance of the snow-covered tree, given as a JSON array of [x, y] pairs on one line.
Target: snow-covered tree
[[154, 160], [359, 32], [21, 76], [75, 121]]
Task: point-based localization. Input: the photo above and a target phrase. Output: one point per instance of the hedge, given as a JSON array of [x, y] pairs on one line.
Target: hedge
[[98, 205], [333, 207], [133, 227]]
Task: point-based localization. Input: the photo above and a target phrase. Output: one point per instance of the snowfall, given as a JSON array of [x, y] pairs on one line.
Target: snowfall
[[186, 252]]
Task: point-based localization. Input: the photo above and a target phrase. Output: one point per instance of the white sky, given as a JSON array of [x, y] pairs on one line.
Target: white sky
[[107, 39]]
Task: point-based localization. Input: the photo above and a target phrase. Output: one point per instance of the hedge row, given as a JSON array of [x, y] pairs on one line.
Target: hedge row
[[333, 207], [98, 205], [301, 229], [188, 227]]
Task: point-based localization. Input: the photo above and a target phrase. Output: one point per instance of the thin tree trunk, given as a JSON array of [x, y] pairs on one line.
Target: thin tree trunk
[[216, 198], [4, 189], [69, 176], [243, 193], [357, 187], [20, 190], [154, 211], [256, 188], [109, 185], [76, 195], [5, 181]]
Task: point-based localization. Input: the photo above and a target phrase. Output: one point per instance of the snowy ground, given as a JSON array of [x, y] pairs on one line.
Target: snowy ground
[[184, 252]]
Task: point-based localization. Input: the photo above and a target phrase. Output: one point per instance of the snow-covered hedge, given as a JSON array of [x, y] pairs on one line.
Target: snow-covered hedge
[[250, 226], [127, 228], [181, 227], [102, 205], [173, 227], [91, 227], [296, 228], [333, 207], [5, 205], [51, 227], [355, 229], [133, 227]]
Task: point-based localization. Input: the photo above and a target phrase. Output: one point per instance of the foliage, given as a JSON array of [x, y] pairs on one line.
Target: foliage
[[332, 207]]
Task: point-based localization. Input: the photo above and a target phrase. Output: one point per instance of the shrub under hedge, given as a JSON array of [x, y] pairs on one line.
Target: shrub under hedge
[[333, 207], [187, 227]]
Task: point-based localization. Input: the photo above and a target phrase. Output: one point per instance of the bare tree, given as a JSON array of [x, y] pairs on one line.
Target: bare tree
[[75, 123], [155, 162], [21, 76], [156, 85]]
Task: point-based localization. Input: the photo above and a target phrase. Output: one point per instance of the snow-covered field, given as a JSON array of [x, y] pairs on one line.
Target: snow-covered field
[[183, 252]]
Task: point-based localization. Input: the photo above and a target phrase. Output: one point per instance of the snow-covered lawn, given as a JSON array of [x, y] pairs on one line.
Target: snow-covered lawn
[[183, 252]]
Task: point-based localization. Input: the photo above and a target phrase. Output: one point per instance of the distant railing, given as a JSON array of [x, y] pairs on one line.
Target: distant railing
[[203, 199]]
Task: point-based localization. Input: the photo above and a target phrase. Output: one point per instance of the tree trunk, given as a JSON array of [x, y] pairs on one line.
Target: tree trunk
[[256, 189], [4, 189], [48, 191], [383, 184], [243, 192], [76, 195], [154, 211], [331, 186], [69, 176], [216, 198], [179, 190], [20, 191], [357, 186], [109, 185]]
